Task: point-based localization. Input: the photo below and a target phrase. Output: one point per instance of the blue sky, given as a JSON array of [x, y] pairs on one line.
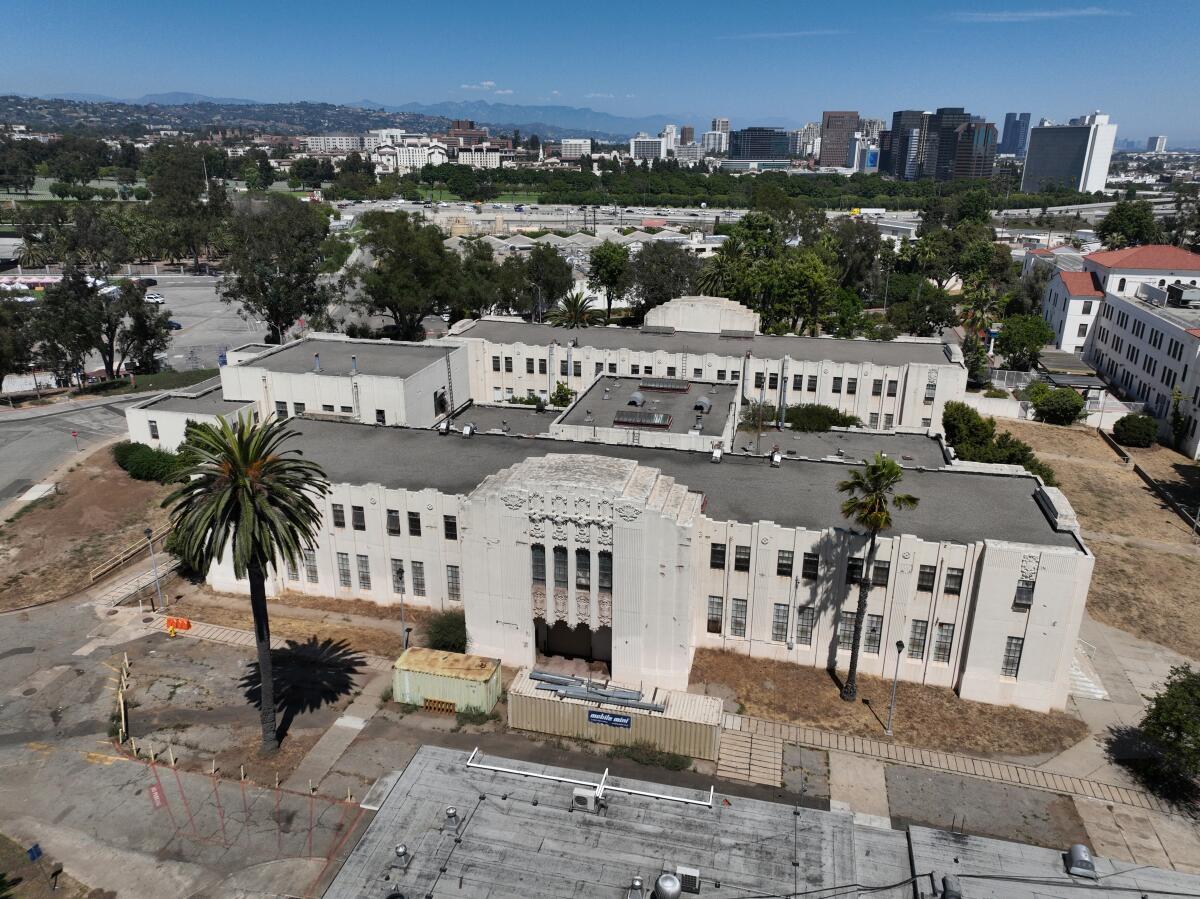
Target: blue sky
[[750, 61]]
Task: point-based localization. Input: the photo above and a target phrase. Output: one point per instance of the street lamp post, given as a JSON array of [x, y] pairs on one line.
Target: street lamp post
[[154, 566], [895, 680]]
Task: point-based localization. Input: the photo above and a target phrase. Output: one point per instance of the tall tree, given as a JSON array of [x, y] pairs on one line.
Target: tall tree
[[179, 189], [273, 270], [574, 311], [146, 334], [408, 276], [1129, 223], [63, 329], [871, 494], [662, 271], [478, 282], [247, 499], [549, 277], [608, 270], [15, 352], [1022, 339]]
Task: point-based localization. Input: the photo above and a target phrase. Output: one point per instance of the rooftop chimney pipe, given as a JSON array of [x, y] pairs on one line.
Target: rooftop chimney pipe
[[316, 361], [354, 363]]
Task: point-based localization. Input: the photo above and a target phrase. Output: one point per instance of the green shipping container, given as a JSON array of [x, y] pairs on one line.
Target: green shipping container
[[446, 681]]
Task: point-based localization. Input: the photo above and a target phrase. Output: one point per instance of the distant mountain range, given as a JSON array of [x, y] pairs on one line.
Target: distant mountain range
[[584, 121], [171, 98]]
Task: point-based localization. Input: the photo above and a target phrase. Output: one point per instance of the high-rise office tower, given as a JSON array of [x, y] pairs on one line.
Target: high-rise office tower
[[758, 143], [870, 128], [1015, 139], [721, 125], [941, 143], [714, 141], [902, 147], [687, 135], [1075, 156], [974, 149], [670, 136], [1156, 144], [837, 133]]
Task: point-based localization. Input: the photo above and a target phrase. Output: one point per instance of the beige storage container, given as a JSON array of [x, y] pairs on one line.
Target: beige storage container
[[689, 724], [446, 681]]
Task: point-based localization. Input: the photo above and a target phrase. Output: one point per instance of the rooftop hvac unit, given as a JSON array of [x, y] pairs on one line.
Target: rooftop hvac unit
[[584, 799], [444, 427], [702, 404], [776, 458], [636, 399], [689, 878], [716, 455], [468, 429], [667, 887], [1079, 862]]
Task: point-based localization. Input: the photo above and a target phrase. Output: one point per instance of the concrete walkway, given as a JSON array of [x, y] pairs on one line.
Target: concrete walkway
[[749, 757], [1001, 772], [1189, 551], [857, 784]]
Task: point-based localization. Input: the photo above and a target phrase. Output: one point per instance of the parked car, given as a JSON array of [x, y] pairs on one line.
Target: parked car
[[146, 282], [155, 298], [173, 325]]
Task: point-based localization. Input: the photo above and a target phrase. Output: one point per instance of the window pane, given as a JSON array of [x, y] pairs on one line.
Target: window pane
[[805, 620], [854, 571], [943, 642], [414, 524], [811, 567], [538, 555], [293, 570], [779, 622], [954, 578], [1024, 595], [1012, 657], [879, 575], [741, 558], [453, 587], [845, 630], [343, 560], [737, 617], [418, 573], [604, 562], [310, 566], [873, 635], [716, 614], [916, 638], [393, 522], [364, 573], [783, 563], [560, 566], [583, 568], [339, 515], [397, 576], [450, 527], [925, 577], [358, 517], [716, 555]]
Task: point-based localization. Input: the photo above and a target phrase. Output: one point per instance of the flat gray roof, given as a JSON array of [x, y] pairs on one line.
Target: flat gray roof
[[881, 352], [956, 506], [519, 839], [375, 357], [522, 420], [910, 450], [610, 394], [208, 403]]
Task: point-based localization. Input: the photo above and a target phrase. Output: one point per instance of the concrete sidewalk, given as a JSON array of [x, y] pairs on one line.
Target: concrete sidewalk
[[9, 414]]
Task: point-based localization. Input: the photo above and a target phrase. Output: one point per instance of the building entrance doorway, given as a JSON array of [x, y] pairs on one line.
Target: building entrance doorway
[[579, 642]]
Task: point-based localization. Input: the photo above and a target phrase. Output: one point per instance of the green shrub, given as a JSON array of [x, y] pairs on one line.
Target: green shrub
[[1135, 430], [753, 413], [466, 716], [818, 417], [648, 754], [447, 631], [1060, 406], [995, 393], [974, 440], [145, 463]]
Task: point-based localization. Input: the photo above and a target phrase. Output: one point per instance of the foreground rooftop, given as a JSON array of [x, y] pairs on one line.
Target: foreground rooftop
[[373, 357], [957, 506], [607, 403]]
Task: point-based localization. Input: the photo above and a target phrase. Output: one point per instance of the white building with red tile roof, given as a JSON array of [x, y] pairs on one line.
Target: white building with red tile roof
[[1070, 305]]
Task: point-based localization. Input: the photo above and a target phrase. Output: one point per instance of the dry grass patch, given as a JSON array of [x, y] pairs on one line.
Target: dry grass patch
[[1148, 594], [927, 717], [1056, 440], [48, 548], [1175, 473]]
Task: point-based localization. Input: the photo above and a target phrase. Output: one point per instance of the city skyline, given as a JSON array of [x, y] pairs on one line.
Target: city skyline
[[1004, 60]]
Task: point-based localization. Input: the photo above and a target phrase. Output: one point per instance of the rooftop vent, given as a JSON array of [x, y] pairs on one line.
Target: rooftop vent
[[403, 858], [667, 887], [584, 799], [702, 404], [630, 419], [1079, 862], [637, 398], [689, 878], [316, 361], [776, 457], [671, 385], [469, 429], [354, 363], [444, 427], [450, 825]]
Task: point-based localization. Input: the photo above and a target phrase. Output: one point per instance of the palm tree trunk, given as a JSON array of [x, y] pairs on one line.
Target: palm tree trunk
[[262, 644], [850, 689]]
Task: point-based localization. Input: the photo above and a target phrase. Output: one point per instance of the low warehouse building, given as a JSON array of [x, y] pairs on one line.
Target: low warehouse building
[[446, 681]]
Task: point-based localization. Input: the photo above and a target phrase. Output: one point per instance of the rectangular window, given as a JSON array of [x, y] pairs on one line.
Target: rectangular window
[[612, 368], [852, 385], [879, 574], [1082, 332], [697, 373], [560, 566], [495, 363], [954, 578], [380, 417], [577, 369], [812, 384], [925, 577], [310, 566], [339, 515], [806, 619], [633, 369], [300, 407], [892, 385], [716, 556], [837, 385], [773, 381], [779, 622], [153, 429], [393, 522], [873, 634], [854, 571], [450, 527], [562, 367], [916, 638], [942, 642], [874, 420], [888, 420], [845, 630], [1024, 596], [720, 374], [453, 583], [599, 368], [810, 567], [343, 560], [1012, 657], [537, 553], [583, 568], [397, 575], [759, 380], [541, 366], [529, 366], [414, 524], [737, 617], [797, 382], [418, 572], [783, 563], [347, 410], [877, 387], [604, 572], [734, 374], [671, 371], [716, 614], [327, 407], [741, 558], [364, 573], [293, 571], [281, 408], [358, 517]]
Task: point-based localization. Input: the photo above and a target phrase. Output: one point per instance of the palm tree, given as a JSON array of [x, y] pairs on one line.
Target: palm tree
[[870, 490], [574, 311], [981, 307], [241, 492]]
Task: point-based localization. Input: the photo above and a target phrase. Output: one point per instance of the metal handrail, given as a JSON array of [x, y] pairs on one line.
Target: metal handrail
[[126, 554]]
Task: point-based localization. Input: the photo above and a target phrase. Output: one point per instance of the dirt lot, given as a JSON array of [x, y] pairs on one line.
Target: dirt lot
[[29, 881], [48, 547], [928, 717], [1178, 475], [1139, 589]]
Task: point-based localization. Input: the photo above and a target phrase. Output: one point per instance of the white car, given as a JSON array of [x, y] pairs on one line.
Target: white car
[[155, 298]]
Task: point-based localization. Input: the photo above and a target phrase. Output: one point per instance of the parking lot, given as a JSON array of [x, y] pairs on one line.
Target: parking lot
[[209, 325]]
